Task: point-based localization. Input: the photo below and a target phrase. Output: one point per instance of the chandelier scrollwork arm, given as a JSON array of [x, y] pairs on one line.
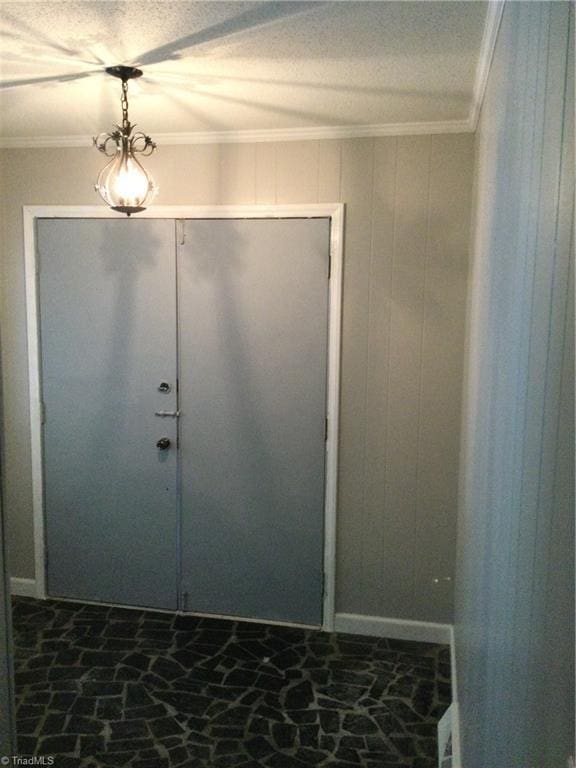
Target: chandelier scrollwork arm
[[103, 140], [142, 144]]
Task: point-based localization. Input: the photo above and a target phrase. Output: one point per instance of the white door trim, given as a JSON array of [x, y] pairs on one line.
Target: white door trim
[[333, 211]]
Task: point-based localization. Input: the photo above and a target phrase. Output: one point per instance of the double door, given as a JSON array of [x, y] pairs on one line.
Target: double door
[[184, 385]]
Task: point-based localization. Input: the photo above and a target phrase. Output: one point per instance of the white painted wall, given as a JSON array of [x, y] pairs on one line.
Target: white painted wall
[[515, 580], [405, 270]]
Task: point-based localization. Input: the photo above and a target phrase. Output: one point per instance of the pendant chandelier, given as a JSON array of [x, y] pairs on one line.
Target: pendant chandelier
[[123, 183]]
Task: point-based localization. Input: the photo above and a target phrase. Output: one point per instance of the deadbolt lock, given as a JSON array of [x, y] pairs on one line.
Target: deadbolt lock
[[164, 387]]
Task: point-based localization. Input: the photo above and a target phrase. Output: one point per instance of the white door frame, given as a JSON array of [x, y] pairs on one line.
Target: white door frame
[[333, 211]]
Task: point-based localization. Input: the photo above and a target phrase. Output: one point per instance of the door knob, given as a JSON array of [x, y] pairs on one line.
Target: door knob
[[163, 443]]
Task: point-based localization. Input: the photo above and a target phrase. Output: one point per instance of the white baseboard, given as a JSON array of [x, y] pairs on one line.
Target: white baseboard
[[395, 629], [23, 587]]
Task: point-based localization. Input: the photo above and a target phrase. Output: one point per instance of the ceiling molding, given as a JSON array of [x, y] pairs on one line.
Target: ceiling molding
[[257, 136], [489, 37]]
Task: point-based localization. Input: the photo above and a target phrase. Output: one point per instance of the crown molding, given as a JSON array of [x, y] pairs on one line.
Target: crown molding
[[257, 136], [487, 46]]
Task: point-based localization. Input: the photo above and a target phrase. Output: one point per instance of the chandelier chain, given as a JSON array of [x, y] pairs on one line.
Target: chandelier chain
[[124, 102]]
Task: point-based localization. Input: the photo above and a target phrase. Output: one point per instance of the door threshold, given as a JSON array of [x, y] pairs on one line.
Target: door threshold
[[177, 612]]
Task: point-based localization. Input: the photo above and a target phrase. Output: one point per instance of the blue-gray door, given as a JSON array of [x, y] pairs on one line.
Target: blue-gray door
[[108, 340], [253, 325]]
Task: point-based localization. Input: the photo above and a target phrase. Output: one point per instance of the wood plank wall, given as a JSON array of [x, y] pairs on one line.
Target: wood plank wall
[[515, 596], [407, 221]]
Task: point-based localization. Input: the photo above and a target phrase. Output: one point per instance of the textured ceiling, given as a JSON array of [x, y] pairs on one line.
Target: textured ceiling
[[234, 66]]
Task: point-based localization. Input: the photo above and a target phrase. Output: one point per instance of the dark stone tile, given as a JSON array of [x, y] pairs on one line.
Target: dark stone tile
[[77, 724], [118, 645], [137, 696], [299, 696], [62, 701], [101, 688], [67, 761], [114, 759], [284, 735], [53, 723], [128, 729], [120, 629], [83, 706], [165, 726], [58, 745], [309, 735], [250, 697], [27, 745], [227, 761], [126, 614], [28, 725], [194, 693], [279, 760], [176, 755], [30, 710], [188, 623], [110, 708], [233, 716], [311, 756], [167, 669], [101, 658], [129, 745], [259, 725], [329, 721], [258, 747], [41, 697], [138, 660], [348, 755], [127, 674], [303, 716], [242, 678], [198, 751], [353, 742], [43, 660], [188, 703], [90, 745], [359, 724], [31, 676], [227, 747], [146, 713]]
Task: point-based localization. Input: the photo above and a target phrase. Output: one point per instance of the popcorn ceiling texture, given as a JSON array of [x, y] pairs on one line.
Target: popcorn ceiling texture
[[218, 66]]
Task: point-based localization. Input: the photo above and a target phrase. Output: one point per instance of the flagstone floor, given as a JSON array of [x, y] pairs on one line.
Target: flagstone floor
[[103, 687]]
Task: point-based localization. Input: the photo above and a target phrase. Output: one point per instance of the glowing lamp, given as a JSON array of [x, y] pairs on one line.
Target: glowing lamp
[[123, 183]]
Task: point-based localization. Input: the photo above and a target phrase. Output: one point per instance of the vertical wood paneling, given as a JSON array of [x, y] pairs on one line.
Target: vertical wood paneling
[[374, 528], [237, 174], [442, 353], [187, 173], [405, 371], [265, 173], [297, 172], [329, 169], [356, 190], [515, 672]]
